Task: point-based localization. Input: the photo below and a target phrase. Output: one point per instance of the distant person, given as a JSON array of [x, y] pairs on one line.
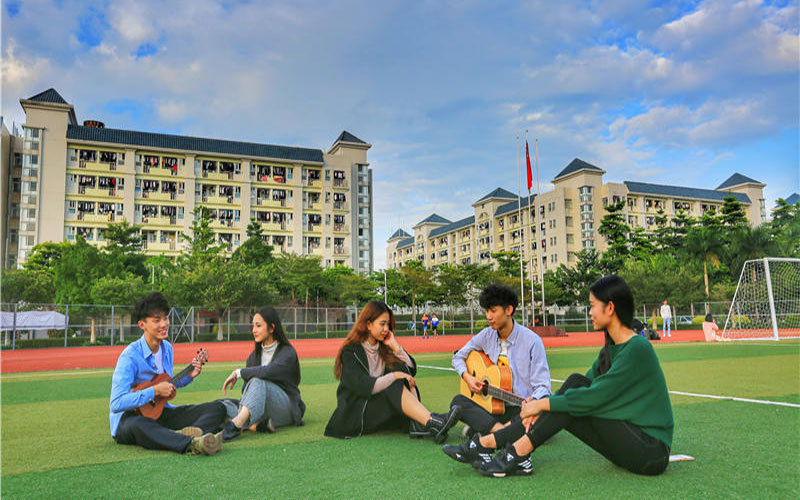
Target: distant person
[[271, 376], [710, 329], [182, 429], [620, 408], [413, 327], [507, 342], [377, 390], [434, 324], [425, 320], [666, 316]]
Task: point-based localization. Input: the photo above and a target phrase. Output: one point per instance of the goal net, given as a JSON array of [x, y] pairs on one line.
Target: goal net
[[766, 304]]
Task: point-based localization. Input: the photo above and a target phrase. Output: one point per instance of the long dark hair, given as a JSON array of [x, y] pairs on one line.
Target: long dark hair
[[607, 289], [360, 332], [270, 317]]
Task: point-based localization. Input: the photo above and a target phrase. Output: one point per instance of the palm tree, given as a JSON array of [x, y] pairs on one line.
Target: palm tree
[[750, 243], [706, 244]]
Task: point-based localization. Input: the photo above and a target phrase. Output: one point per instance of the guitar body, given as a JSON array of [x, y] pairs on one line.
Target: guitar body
[[154, 408], [480, 366]]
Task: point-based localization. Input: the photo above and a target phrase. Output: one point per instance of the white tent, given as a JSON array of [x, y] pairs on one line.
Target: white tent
[[33, 320]]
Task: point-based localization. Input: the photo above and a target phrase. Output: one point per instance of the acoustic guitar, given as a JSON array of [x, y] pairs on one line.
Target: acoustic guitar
[[154, 408], [496, 378]]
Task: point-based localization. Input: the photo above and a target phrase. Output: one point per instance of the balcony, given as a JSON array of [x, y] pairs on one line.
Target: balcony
[[157, 246], [341, 228], [312, 183], [217, 176], [340, 205], [90, 217], [314, 251], [160, 221], [312, 205], [215, 199], [276, 226], [340, 250], [341, 184], [313, 228], [159, 195]]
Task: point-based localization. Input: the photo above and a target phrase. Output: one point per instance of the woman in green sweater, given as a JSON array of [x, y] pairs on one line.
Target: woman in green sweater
[[620, 408]]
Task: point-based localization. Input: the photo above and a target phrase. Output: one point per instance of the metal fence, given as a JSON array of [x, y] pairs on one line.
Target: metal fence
[[64, 325]]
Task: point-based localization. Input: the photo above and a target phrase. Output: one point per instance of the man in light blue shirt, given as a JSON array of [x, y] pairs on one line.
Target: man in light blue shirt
[[522, 349], [183, 429]]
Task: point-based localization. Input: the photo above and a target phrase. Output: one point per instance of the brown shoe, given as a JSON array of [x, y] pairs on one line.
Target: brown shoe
[[193, 432], [207, 444]]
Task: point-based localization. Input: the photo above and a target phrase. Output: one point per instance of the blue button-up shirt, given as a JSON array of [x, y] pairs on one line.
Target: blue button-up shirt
[[135, 365], [530, 374]]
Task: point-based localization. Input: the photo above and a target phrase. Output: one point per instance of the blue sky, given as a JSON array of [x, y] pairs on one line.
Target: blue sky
[[683, 92]]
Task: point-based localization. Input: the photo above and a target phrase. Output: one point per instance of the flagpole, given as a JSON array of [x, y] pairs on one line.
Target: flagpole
[[532, 229], [519, 219], [541, 267]]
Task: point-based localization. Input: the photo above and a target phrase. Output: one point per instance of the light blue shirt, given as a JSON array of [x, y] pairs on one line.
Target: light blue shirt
[[530, 373], [135, 365]]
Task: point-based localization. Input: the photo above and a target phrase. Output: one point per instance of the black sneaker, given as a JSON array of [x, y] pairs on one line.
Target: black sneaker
[[440, 423], [469, 452], [507, 463], [230, 431], [417, 430]]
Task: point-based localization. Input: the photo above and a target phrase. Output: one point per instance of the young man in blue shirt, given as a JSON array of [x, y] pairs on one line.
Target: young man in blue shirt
[[183, 429], [504, 339]]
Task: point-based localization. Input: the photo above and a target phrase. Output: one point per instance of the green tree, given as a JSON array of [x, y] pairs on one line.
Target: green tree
[[419, 282], [733, 214], [785, 228], [254, 251], [507, 263], [616, 232], [704, 245], [202, 244], [660, 277], [30, 286], [45, 256], [300, 276], [124, 237], [345, 286], [79, 266]]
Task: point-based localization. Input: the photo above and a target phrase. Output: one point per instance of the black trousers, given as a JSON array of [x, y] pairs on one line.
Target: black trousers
[[623, 443], [384, 410], [160, 434], [478, 418]]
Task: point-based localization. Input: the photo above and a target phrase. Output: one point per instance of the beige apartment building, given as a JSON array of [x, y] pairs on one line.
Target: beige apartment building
[[563, 221], [62, 180]]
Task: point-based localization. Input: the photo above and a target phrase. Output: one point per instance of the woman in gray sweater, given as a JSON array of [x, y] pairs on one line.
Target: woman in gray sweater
[[270, 396]]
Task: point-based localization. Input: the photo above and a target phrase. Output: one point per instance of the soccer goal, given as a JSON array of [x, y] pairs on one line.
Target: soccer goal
[[766, 304]]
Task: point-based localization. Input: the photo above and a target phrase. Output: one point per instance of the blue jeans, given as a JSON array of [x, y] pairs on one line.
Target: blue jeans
[[265, 400], [666, 327]]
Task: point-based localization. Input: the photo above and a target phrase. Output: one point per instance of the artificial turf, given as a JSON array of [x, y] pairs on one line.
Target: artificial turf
[[55, 441]]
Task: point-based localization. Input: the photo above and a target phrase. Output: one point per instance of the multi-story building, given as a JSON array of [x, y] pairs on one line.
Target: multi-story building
[[563, 221], [68, 179]]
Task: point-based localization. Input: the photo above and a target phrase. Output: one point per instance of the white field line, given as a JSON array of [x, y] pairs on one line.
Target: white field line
[[679, 393]]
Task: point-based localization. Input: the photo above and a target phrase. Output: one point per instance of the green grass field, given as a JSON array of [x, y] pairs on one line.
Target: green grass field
[[56, 444]]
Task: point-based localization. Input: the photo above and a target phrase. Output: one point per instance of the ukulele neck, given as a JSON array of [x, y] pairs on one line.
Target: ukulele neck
[[177, 378]]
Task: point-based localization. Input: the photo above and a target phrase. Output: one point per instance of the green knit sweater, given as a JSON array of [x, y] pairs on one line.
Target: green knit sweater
[[633, 389]]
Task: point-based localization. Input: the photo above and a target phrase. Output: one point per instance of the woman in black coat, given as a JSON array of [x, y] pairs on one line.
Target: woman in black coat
[[377, 389], [270, 396]]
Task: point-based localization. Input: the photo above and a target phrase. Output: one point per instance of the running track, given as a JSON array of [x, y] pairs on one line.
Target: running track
[[29, 360]]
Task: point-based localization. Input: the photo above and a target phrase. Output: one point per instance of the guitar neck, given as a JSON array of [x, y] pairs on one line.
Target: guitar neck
[[503, 395]]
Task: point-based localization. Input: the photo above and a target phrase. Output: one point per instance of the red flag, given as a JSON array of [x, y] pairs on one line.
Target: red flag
[[528, 159]]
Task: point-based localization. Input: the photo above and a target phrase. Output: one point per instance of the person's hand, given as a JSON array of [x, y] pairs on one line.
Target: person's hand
[[473, 383], [530, 408], [231, 380], [391, 342], [411, 382], [528, 422], [198, 367], [163, 390]]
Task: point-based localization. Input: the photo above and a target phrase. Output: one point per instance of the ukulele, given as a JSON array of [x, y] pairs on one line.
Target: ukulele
[[154, 408], [496, 378]]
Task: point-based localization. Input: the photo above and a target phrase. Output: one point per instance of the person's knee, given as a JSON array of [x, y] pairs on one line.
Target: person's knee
[[460, 400], [574, 380]]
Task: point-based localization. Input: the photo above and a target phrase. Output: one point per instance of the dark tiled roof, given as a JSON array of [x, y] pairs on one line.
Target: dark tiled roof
[[49, 95], [399, 234], [737, 179], [511, 207], [794, 198], [405, 243], [468, 221], [346, 136], [498, 193], [435, 218], [575, 165], [682, 192], [186, 143]]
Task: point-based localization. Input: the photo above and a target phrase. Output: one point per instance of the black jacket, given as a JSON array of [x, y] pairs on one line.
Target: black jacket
[[283, 371], [355, 389]]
